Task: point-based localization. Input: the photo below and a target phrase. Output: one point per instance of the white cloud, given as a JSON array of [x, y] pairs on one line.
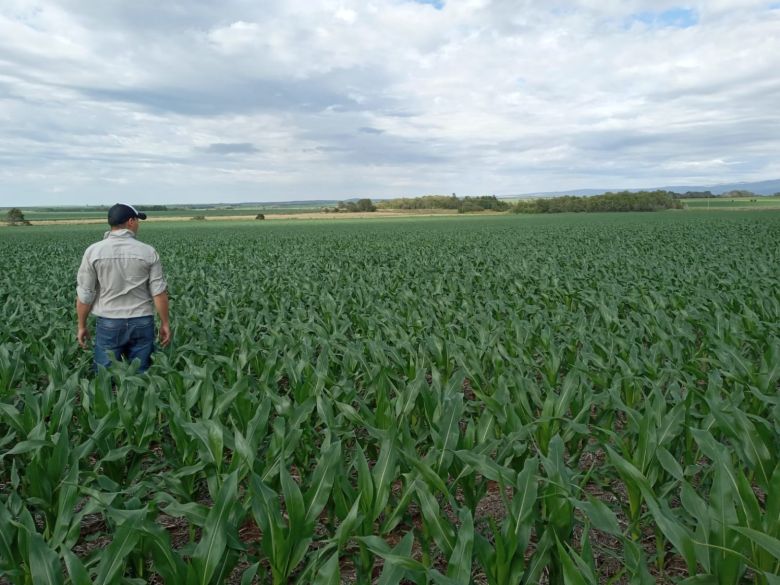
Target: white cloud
[[341, 98], [347, 15]]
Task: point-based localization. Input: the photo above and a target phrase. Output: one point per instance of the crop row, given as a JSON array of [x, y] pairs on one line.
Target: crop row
[[500, 400]]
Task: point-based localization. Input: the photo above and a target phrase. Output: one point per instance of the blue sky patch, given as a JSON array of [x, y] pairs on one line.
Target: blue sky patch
[[437, 4], [674, 18]]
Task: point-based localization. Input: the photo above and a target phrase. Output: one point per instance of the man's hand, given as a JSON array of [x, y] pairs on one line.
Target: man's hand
[[82, 337], [82, 311], [165, 334], [161, 304]]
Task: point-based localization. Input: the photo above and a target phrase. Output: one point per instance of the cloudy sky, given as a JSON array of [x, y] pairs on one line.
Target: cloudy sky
[[171, 101]]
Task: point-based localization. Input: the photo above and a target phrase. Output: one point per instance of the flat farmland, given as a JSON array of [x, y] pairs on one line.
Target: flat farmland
[[508, 399], [757, 202], [85, 214]]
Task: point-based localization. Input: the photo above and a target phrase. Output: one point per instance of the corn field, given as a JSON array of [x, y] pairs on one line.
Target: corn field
[[505, 400]]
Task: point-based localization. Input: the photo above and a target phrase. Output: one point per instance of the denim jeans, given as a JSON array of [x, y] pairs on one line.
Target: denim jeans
[[124, 339]]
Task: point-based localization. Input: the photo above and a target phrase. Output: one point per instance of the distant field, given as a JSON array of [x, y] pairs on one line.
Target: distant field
[[754, 203], [52, 214], [43, 215]]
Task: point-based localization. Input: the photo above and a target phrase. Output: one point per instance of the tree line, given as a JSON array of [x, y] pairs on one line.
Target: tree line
[[620, 201], [453, 202]]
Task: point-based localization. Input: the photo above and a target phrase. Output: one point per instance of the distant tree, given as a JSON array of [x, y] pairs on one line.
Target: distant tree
[[697, 195], [357, 206], [260, 216], [738, 193], [482, 203], [198, 218], [364, 205], [15, 217], [470, 207]]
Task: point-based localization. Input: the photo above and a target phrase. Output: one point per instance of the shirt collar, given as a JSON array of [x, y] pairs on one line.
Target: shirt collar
[[119, 234]]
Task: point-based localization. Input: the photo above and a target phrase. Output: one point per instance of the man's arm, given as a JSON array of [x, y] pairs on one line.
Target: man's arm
[[82, 311], [86, 292], [161, 304]]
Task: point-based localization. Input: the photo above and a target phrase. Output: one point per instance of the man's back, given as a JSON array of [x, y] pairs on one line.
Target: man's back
[[121, 275]]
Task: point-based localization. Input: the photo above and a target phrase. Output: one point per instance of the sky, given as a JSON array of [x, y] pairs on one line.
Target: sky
[[194, 101]]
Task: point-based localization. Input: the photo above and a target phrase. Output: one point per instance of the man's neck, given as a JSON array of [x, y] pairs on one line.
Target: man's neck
[[116, 230]]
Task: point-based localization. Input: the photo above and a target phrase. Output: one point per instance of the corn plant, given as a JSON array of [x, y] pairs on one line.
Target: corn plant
[[345, 401]]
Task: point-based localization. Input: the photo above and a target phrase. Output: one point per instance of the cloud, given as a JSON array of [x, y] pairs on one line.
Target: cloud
[[182, 100], [231, 148]]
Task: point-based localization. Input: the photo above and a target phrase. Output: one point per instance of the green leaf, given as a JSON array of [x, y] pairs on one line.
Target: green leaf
[[538, 561], [166, 561], [208, 553], [459, 567], [571, 574], [439, 528], [322, 482], [765, 541], [123, 543], [487, 467], [380, 547], [393, 573], [330, 572], [599, 514], [669, 463], [426, 472], [266, 511], [26, 446], [248, 576], [66, 502], [383, 474], [772, 519], [523, 502], [299, 534], [364, 480], [449, 430], [293, 503], [347, 526], [8, 556], [78, 573], [44, 563]]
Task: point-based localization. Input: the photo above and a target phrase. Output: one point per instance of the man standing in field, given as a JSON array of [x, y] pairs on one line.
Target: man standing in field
[[121, 282]]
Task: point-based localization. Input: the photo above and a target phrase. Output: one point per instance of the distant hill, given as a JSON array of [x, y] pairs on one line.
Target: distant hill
[[758, 187]]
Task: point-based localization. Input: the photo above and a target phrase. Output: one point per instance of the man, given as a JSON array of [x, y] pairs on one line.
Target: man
[[121, 281]]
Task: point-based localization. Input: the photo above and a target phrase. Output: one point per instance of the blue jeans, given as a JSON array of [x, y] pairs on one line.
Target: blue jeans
[[124, 339]]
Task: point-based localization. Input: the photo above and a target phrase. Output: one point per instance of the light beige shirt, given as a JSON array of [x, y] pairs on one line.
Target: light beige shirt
[[119, 276]]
